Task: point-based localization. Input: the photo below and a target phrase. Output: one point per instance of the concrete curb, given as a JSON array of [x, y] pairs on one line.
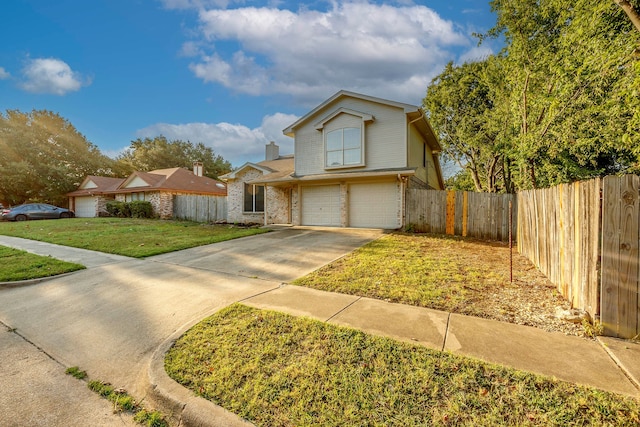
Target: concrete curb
[[28, 282], [180, 403]]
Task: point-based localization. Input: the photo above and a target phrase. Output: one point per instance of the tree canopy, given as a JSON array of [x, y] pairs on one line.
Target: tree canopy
[[559, 103], [44, 157], [159, 153]]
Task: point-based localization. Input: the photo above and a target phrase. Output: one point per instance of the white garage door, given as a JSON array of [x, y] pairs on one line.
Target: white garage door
[[321, 205], [85, 207], [374, 205]]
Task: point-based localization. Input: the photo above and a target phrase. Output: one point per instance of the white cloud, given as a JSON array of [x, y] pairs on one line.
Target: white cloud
[[50, 75], [235, 142], [476, 54], [382, 50], [4, 74]]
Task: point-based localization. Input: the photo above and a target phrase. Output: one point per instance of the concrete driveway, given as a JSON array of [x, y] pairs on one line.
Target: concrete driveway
[[109, 319]]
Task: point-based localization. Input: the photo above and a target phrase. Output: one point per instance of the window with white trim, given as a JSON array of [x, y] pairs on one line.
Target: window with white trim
[[253, 198], [344, 147]]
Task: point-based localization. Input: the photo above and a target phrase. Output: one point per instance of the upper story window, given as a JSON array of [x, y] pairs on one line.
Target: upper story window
[[344, 147], [344, 137]]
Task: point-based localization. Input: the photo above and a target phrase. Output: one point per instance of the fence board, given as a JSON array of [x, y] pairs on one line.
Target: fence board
[[620, 282]]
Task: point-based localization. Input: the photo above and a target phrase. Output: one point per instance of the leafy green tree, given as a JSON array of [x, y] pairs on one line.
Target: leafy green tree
[[158, 153], [466, 105], [561, 102], [570, 72], [44, 157]]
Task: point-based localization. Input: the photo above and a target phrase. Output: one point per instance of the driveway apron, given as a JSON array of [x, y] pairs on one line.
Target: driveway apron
[[109, 319]]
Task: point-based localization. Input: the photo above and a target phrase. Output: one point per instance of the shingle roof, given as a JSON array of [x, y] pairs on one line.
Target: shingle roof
[[172, 180], [274, 169], [102, 184]]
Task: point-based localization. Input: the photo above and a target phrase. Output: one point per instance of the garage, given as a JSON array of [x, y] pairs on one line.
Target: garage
[[85, 207], [321, 205], [374, 205]]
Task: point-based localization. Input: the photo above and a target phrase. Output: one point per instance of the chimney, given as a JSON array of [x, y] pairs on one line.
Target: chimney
[[197, 168], [272, 151]]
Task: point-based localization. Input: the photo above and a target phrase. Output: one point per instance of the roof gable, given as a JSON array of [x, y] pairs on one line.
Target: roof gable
[[364, 116], [346, 94], [233, 174], [87, 184]]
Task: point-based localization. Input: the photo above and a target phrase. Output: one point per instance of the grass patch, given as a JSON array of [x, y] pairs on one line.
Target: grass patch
[[76, 372], [126, 236], [278, 370], [122, 401], [20, 265]]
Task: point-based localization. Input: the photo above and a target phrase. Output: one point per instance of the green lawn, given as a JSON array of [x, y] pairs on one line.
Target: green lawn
[[278, 370], [130, 237], [19, 265]]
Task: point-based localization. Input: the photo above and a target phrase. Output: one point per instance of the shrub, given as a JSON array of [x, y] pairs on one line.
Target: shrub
[[134, 209], [140, 209], [118, 209]]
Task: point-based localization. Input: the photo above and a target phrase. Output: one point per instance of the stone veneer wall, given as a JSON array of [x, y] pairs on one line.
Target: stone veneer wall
[[295, 205], [165, 205], [344, 204]]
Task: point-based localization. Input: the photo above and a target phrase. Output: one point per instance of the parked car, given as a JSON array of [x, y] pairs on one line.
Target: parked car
[[35, 211]]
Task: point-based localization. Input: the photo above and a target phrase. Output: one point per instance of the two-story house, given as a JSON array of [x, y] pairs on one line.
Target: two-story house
[[354, 156]]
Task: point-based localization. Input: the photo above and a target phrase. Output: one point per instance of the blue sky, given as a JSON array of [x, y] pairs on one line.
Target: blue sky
[[229, 73]]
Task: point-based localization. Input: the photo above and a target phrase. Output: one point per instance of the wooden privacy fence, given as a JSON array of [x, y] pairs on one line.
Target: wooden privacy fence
[[584, 236], [460, 213], [558, 230], [200, 208]]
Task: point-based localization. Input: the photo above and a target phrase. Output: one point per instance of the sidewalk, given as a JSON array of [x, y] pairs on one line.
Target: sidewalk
[[65, 253]]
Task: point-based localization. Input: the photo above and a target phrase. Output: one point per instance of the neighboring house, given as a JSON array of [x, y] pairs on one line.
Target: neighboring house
[[158, 187], [91, 197], [354, 156]]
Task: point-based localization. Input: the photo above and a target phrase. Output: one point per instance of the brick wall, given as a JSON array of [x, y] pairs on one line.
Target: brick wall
[[278, 205], [235, 199]]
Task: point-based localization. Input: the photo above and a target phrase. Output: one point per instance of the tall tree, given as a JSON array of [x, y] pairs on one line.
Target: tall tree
[[44, 157], [569, 70], [159, 153], [466, 105]]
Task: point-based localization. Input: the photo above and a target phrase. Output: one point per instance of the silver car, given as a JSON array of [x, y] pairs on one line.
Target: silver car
[[35, 211]]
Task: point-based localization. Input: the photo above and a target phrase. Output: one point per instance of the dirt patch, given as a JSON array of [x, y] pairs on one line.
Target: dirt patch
[[530, 299]]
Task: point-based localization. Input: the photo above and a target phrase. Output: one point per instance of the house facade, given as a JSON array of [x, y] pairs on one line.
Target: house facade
[[354, 157], [158, 187]]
